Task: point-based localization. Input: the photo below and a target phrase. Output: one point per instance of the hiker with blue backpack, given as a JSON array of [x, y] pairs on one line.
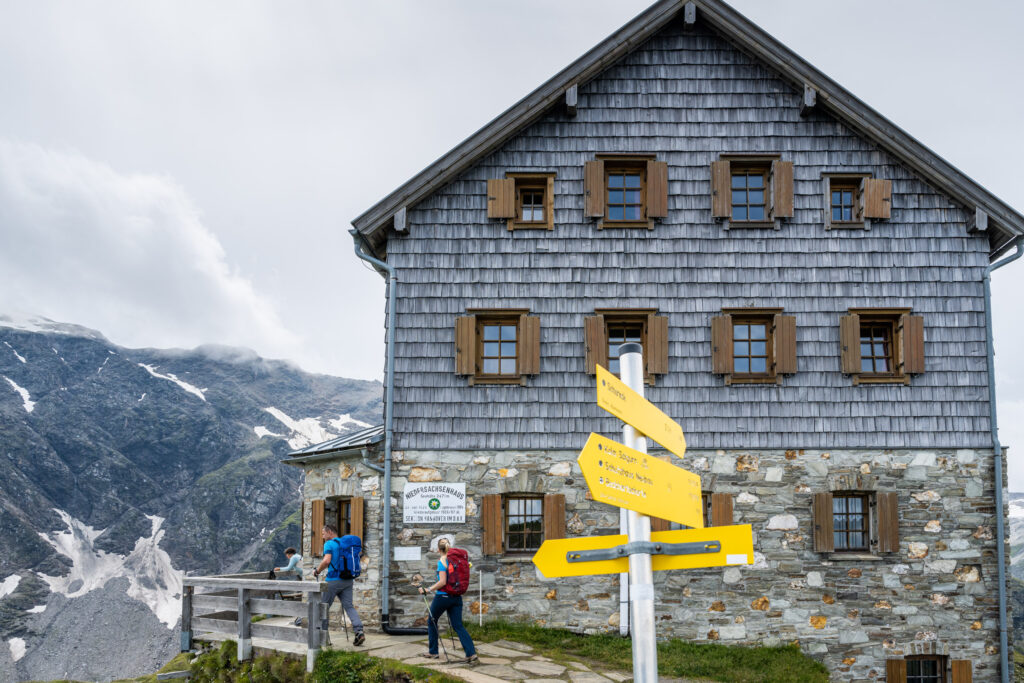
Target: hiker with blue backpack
[[452, 582], [341, 560]]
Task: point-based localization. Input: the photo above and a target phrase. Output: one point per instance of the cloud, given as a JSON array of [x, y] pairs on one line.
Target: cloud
[[127, 254]]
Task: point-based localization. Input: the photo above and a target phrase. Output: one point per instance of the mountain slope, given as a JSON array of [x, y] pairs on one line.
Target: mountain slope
[[124, 467]]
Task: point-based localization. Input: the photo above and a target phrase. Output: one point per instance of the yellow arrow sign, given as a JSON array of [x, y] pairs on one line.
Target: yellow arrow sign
[[737, 547], [619, 475], [618, 399]]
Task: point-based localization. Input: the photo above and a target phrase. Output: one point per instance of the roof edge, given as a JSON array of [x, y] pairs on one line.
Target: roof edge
[[745, 35]]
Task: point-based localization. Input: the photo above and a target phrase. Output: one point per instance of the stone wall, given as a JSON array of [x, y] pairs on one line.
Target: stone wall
[[936, 595]]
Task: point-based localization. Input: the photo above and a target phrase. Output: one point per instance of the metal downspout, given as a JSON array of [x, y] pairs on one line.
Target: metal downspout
[[372, 465], [389, 404], [1004, 660]]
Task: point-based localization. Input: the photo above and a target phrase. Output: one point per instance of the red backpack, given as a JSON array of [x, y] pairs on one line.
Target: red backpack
[[458, 572]]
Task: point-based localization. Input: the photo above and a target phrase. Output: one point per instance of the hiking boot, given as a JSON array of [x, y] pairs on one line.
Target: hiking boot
[[359, 639], [472, 659]]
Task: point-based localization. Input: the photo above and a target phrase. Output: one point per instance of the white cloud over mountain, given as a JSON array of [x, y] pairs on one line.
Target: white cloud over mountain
[[126, 253]]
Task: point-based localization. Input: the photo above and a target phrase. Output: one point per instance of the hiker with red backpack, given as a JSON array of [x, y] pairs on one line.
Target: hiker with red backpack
[[452, 582]]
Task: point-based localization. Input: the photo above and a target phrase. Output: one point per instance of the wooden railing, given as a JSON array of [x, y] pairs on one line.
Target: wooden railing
[[226, 604]]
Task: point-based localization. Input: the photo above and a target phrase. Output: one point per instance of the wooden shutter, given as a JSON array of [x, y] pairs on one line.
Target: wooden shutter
[[913, 343], [721, 509], [302, 529], [551, 203], [887, 506], [554, 516], [465, 345], [501, 198], [824, 542], [782, 189], [656, 353], [785, 344], [962, 672], [595, 339], [657, 189], [659, 524], [356, 525], [721, 344], [316, 528], [721, 189], [593, 189], [529, 346], [895, 671], [849, 343], [491, 524], [876, 198]]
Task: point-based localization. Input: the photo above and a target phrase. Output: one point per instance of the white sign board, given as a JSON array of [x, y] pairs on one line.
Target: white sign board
[[434, 503], [407, 553]]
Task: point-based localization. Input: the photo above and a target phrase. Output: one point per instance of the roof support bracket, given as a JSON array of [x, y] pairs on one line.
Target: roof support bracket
[[810, 100], [401, 225], [979, 222], [690, 13], [570, 100]]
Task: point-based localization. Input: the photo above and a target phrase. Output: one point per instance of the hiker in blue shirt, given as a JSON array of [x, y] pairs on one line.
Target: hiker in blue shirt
[[293, 563], [452, 604], [337, 585]]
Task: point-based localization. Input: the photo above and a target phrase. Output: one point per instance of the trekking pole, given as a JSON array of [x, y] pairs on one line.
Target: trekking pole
[[437, 629]]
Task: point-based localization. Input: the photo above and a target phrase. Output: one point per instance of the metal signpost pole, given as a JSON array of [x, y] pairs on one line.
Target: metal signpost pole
[[641, 576]]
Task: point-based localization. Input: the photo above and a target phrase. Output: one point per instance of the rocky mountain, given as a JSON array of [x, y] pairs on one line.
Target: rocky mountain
[[123, 468], [1015, 585]]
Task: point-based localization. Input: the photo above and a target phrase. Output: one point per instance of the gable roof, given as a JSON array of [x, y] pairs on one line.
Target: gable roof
[[349, 442], [1004, 222]]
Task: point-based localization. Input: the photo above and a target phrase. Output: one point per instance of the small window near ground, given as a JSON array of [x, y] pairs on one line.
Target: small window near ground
[[926, 669], [524, 523], [850, 526]]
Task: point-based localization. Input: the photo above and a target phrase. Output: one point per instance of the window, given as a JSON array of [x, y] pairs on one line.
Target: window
[[753, 345], [604, 332], [517, 523], [524, 524], [856, 522], [345, 513], [926, 669], [751, 191], [716, 510], [881, 345], [525, 200], [850, 522], [499, 346], [625, 191], [749, 194], [344, 517], [853, 200]]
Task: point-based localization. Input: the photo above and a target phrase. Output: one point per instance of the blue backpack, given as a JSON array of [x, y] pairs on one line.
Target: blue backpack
[[346, 559]]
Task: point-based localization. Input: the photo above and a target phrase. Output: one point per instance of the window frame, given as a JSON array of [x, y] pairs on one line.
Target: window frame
[[851, 181], [867, 503], [890, 318], [619, 163], [747, 169], [756, 316], [501, 319], [746, 163], [625, 317], [532, 182], [505, 521], [941, 661]]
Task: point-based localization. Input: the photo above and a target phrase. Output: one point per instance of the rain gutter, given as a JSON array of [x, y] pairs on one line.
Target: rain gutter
[[389, 403]]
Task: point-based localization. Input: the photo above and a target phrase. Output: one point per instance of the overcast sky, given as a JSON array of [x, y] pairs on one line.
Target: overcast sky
[[182, 172]]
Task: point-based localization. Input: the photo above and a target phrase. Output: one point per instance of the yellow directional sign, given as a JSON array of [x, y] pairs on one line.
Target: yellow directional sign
[[619, 475], [618, 399], [736, 547]]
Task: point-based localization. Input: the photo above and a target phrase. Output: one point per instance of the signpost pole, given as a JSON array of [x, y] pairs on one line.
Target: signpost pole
[[641, 576]]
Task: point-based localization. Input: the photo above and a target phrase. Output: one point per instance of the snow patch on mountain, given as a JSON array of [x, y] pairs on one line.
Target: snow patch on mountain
[[9, 585], [17, 646], [38, 609], [16, 354], [35, 323], [344, 421], [307, 430], [152, 579], [262, 431], [192, 389], [26, 399]]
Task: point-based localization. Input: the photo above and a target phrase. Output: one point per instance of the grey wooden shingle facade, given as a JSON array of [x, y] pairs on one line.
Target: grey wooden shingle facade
[[687, 95]]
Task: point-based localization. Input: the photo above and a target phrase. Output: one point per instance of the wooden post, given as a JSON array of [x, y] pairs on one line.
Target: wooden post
[[244, 626], [186, 618], [313, 634]]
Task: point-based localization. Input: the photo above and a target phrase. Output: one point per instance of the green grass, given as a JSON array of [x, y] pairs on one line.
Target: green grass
[[676, 658], [336, 666]]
